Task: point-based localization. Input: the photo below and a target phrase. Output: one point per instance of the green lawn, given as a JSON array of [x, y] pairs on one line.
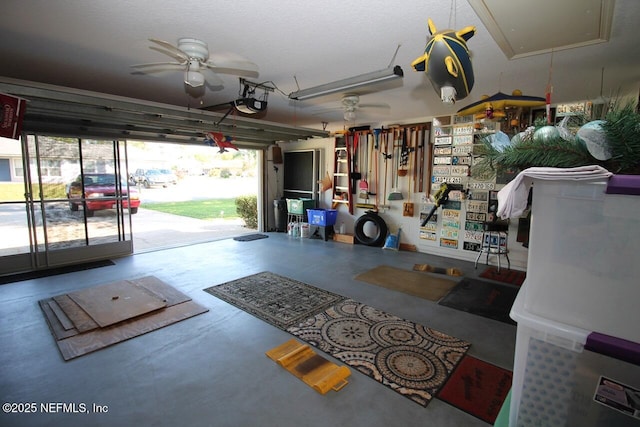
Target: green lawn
[[200, 209]]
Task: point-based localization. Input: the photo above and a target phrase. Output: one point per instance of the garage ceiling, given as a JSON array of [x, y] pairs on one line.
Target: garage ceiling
[[298, 44]]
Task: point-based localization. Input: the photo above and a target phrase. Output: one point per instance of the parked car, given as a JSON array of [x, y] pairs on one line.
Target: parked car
[[100, 193], [154, 177], [173, 179]]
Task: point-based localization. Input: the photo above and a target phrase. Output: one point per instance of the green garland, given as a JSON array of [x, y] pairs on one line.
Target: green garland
[[622, 130]]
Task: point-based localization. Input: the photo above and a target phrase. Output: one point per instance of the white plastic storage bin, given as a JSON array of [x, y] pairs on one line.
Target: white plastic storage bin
[[556, 381], [583, 264]]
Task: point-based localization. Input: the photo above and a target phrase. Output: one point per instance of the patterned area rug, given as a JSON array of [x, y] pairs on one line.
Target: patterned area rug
[[276, 299], [411, 359]]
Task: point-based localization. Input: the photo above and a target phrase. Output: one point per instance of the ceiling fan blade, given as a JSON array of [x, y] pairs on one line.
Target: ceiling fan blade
[[171, 48], [179, 58], [328, 111], [380, 106], [237, 68], [211, 78], [164, 65]]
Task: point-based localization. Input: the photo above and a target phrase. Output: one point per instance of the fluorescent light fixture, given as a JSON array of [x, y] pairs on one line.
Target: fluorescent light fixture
[[390, 73]]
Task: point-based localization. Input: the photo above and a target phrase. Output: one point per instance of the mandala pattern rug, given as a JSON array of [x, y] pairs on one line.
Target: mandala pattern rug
[[409, 358], [276, 299]]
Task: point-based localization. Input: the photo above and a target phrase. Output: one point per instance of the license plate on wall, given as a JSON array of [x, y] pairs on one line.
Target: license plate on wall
[[471, 246], [449, 243]]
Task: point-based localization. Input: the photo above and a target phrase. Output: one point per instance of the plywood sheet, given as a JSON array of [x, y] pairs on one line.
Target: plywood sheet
[[66, 323], [85, 335], [97, 339], [115, 302], [171, 295], [81, 320], [55, 326]]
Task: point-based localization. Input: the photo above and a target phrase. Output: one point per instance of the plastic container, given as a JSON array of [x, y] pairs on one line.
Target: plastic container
[[299, 206], [322, 217], [556, 381], [304, 230], [583, 268]]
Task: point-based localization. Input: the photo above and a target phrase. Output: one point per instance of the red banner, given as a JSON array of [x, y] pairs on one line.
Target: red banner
[[12, 114]]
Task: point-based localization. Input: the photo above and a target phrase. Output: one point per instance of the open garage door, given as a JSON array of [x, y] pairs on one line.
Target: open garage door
[[73, 204]]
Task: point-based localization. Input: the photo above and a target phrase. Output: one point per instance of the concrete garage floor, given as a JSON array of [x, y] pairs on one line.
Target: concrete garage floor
[[211, 370]]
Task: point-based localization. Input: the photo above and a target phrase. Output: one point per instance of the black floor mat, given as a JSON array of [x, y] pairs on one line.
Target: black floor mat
[[487, 299], [250, 237], [54, 271]]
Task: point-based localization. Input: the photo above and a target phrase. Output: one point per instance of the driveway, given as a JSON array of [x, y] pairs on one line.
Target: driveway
[[154, 230]]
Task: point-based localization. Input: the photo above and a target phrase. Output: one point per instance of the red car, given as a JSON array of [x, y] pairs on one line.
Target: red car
[[100, 193]]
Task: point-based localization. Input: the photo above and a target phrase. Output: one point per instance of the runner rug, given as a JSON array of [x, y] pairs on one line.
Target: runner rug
[[478, 388], [415, 283], [409, 358], [276, 299]]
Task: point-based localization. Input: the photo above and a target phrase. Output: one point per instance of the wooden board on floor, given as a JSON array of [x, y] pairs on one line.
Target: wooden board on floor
[[77, 334], [65, 322], [169, 294], [97, 339], [116, 302], [80, 319], [58, 331]]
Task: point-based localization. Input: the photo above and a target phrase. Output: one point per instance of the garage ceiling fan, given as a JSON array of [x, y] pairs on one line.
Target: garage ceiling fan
[[350, 105], [192, 56]]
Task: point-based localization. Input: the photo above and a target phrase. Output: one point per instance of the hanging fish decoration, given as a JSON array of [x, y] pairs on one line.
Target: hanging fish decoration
[[447, 62]]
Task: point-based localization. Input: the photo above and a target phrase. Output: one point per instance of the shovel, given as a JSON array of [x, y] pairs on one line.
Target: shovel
[[395, 194]]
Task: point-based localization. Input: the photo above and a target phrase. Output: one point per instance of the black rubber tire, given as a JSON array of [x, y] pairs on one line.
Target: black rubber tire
[[379, 238]]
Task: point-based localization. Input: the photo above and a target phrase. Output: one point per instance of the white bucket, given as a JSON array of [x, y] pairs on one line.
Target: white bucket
[[304, 230]]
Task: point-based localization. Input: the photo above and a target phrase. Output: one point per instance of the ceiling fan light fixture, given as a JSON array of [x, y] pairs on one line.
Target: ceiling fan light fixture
[[349, 115], [367, 79], [193, 78]]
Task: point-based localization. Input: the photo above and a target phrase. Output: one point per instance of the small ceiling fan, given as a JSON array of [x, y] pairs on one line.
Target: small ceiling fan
[[193, 57], [350, 104]]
